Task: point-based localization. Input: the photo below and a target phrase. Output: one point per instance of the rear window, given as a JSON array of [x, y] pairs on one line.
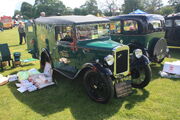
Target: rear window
[[130, 26], [115, 27], [168, 23], [155, 26], [177, 22]]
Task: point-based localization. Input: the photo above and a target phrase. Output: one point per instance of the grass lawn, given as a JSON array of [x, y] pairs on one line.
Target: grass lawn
[[160, 100]]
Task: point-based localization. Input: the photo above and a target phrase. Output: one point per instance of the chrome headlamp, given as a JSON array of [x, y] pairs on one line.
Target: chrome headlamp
[[109, 59], [138, 53]]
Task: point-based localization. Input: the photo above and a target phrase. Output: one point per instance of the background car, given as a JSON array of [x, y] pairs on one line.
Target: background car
[[172, 26], [143, 31]]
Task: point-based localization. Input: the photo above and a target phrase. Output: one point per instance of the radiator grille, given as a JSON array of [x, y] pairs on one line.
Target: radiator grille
[[121, 61]]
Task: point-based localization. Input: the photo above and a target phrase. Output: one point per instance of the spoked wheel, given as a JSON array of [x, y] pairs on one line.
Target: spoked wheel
[[141, 76], [99, 88]]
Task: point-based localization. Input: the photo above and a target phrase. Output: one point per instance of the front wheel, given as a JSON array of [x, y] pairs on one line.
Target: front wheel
[[99, 88], [141, 76]]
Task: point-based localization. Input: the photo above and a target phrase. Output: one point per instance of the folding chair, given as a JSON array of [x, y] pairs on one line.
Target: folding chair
[[5, 55]]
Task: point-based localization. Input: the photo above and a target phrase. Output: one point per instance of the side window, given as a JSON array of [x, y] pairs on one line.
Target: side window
[[155, 26], [63, 33], [168, 23], [115, 27], [177, 22], [130, 26]]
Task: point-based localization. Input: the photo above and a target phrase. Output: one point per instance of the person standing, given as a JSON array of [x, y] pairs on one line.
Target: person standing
[[22, 34], [1, 26]]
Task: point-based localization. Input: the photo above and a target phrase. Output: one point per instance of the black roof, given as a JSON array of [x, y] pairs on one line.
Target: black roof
[[69, 20], [140, 16], [173, 16]]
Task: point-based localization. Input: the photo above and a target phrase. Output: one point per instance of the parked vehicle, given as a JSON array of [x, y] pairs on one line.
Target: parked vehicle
[[142, 31], [82, 45], [172, 26], [7, 22]]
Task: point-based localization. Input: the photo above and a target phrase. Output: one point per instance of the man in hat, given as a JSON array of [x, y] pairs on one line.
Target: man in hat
[[22, 34]]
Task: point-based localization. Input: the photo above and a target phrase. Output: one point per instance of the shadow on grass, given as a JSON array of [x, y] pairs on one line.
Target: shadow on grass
[[8, 68], [69, 94]]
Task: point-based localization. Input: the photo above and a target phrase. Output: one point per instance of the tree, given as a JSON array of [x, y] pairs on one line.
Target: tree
[[16, 12], [27, 10], [50, 7], [90, 7], [152, 6], [166, 10], [80, 11], [177, 8], [174, 2], [111, 7], [131, 5]]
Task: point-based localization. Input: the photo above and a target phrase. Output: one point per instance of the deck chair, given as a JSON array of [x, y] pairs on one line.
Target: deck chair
[[5, 55]]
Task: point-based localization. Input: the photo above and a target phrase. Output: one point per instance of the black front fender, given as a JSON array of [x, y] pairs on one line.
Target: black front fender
[[97, 67], [137, 63]]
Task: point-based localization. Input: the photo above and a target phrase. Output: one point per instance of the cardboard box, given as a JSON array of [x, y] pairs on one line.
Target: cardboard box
[[172, 67]]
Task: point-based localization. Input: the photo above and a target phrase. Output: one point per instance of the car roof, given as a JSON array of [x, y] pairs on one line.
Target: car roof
[[173, 16], [70, 20], [140, 16]]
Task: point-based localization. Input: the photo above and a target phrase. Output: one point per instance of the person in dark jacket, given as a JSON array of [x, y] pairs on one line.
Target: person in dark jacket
[[1, 26], [22, 34]]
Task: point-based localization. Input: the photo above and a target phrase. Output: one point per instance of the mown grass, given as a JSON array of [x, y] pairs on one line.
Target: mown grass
[[160, 100]]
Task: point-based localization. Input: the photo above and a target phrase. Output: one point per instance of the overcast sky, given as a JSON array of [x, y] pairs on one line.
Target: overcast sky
[[7, 7]]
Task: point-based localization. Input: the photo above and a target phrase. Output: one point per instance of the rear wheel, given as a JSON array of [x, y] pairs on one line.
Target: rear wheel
[[99, 88], [141, 76]]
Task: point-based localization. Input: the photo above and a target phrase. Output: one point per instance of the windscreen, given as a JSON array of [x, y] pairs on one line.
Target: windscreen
[[92, 31]]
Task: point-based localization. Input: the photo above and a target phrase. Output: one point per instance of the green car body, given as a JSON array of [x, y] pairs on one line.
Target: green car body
[[144, 31], [79, 44]]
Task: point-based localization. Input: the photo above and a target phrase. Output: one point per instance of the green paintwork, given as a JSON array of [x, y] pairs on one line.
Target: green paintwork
[[70, 58], [104, 44], [145, 40]]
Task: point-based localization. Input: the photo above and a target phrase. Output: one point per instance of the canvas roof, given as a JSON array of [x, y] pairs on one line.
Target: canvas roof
[[73, 19], [144, 16]]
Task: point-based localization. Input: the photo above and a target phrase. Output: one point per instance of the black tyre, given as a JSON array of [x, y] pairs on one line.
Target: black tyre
[[99, 88], [141, 76]]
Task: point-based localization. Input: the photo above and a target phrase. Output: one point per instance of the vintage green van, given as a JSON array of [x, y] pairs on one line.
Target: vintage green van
[[143, 31], [82, 44]]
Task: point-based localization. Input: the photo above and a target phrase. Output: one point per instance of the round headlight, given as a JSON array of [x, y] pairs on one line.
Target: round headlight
[[138, 53], [109, 59]]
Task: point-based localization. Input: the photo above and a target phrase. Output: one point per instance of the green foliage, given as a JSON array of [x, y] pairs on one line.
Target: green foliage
[[174, 2], [131, 5], [27, 10], [177, 8], [152, 6], [16, 12], [166, 10], [50, 7], [111, 7], [90, 7]]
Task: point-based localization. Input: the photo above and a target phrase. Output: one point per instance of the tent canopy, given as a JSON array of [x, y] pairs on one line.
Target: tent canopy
[[138, 11]]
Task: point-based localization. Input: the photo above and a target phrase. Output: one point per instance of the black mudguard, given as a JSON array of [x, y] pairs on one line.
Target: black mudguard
[[97, 67], [137, 63]]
